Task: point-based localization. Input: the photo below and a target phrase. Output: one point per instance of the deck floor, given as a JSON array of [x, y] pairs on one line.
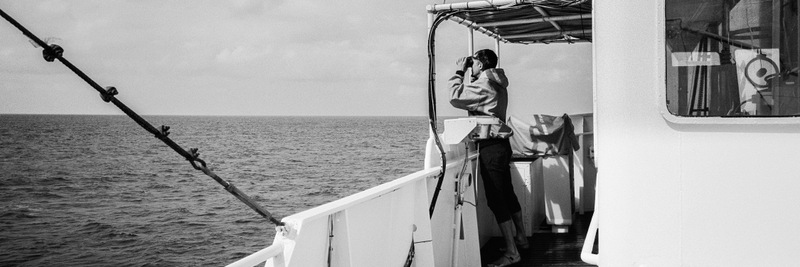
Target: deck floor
[[547, 248]]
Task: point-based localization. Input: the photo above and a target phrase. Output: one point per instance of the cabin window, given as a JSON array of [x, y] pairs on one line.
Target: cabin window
[[732, 58]]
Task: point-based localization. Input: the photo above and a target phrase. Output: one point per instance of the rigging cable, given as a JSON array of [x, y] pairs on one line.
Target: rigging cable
[[432, 120], [432, 104], [52, 52]]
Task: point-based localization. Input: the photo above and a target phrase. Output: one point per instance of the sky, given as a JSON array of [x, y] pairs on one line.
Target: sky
[[264, 58]]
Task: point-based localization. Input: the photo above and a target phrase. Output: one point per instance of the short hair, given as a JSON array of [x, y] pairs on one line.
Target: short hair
[[487, 57]]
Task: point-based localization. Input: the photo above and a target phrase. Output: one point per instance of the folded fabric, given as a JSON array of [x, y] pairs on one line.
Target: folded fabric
[[542, 135]]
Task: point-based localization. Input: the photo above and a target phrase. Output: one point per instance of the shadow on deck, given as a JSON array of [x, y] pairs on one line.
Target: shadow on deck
[[547, 248]]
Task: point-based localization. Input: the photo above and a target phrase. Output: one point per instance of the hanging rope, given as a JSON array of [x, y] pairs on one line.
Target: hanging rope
[[53, 52]]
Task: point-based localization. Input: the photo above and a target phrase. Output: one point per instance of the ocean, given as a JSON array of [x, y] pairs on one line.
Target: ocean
[[87, 190]]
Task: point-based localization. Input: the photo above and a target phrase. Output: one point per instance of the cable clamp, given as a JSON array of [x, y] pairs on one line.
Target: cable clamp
[[163, 132], [54, 51], [194, 153], [110, 92]]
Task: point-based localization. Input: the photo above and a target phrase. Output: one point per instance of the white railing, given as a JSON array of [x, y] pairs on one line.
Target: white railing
[[272, 253], [588, 243], [373, 227], [376, 227]]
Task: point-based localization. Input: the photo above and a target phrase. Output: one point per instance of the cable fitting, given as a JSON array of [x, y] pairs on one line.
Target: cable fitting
[[193, 152], [194, 158], [50, 54], [163, 132], [110, 92]]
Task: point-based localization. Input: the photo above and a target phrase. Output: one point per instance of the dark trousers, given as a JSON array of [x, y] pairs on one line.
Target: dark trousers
[[494, 160]]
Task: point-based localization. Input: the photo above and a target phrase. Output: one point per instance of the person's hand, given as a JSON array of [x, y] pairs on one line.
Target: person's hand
[[464, 63]]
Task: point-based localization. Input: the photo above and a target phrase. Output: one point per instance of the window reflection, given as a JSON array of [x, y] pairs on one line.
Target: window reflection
[[732, 58]]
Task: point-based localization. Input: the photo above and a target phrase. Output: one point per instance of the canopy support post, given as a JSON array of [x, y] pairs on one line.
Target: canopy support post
[[497, 51]]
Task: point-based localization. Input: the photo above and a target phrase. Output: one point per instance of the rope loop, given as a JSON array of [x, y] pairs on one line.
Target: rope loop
[[54, 51], [111, 91], [197, 167], [195, 158]]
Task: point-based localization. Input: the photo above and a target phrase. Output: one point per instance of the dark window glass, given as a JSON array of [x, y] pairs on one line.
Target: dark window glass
[[729, 58]]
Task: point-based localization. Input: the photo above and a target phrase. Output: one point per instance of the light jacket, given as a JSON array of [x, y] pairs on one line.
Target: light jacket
[[487, 95]]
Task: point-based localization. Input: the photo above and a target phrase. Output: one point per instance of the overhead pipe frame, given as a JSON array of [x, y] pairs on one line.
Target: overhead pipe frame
[[536, 20]]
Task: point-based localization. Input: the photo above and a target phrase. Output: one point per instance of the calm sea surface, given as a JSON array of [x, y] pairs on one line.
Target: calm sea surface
[[101, 191]]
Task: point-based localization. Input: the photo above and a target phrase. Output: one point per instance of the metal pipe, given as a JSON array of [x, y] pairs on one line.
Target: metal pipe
[[275, 251], [536, 20], [546, 34], [497, 51], [556, 41], [588, 243], [471, 42], [475, 26], [544, 13], [472, 5], [471, 51], [719, 38]]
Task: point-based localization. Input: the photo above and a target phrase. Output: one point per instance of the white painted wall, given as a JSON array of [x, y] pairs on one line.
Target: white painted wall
[[683, 192]]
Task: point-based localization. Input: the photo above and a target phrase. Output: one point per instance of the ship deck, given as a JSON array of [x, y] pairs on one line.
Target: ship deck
[[547, 248]]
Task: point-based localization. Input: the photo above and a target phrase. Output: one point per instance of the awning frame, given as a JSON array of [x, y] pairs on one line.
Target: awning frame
[[523, 21]]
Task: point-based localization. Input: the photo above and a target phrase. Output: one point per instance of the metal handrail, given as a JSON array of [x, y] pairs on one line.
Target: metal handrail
[[588, 243], [275, 252]]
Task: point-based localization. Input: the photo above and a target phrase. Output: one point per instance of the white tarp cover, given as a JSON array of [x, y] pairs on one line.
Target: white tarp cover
[[542, 135]]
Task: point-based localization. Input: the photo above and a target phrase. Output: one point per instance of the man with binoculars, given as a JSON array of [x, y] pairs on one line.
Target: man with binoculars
[[486, 95]]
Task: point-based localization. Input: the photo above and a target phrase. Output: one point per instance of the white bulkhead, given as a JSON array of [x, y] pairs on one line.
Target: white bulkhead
[[677, 190]]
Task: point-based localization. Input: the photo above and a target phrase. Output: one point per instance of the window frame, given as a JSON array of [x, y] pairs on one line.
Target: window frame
[[661, 78]]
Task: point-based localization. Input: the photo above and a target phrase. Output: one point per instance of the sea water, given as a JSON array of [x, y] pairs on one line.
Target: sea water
[[81, 190]]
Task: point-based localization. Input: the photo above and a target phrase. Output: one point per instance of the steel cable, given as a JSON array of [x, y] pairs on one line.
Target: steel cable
[[52, 52]]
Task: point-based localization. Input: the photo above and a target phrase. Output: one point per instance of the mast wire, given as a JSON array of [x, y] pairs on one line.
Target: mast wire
[[52, 52]]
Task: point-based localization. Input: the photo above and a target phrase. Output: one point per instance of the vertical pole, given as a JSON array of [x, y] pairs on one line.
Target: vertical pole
[[695, 84], [497, 50], [471, 51], [776, 42], [571, 170], [713, 73], [683, 90], [471, 42]]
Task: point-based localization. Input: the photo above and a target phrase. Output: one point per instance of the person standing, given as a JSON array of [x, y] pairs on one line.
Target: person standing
[[487, 95]]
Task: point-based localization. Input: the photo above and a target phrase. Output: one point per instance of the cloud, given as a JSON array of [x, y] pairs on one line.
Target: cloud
[[248, 7], [249, 57], [52, 7], [240, 54]]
